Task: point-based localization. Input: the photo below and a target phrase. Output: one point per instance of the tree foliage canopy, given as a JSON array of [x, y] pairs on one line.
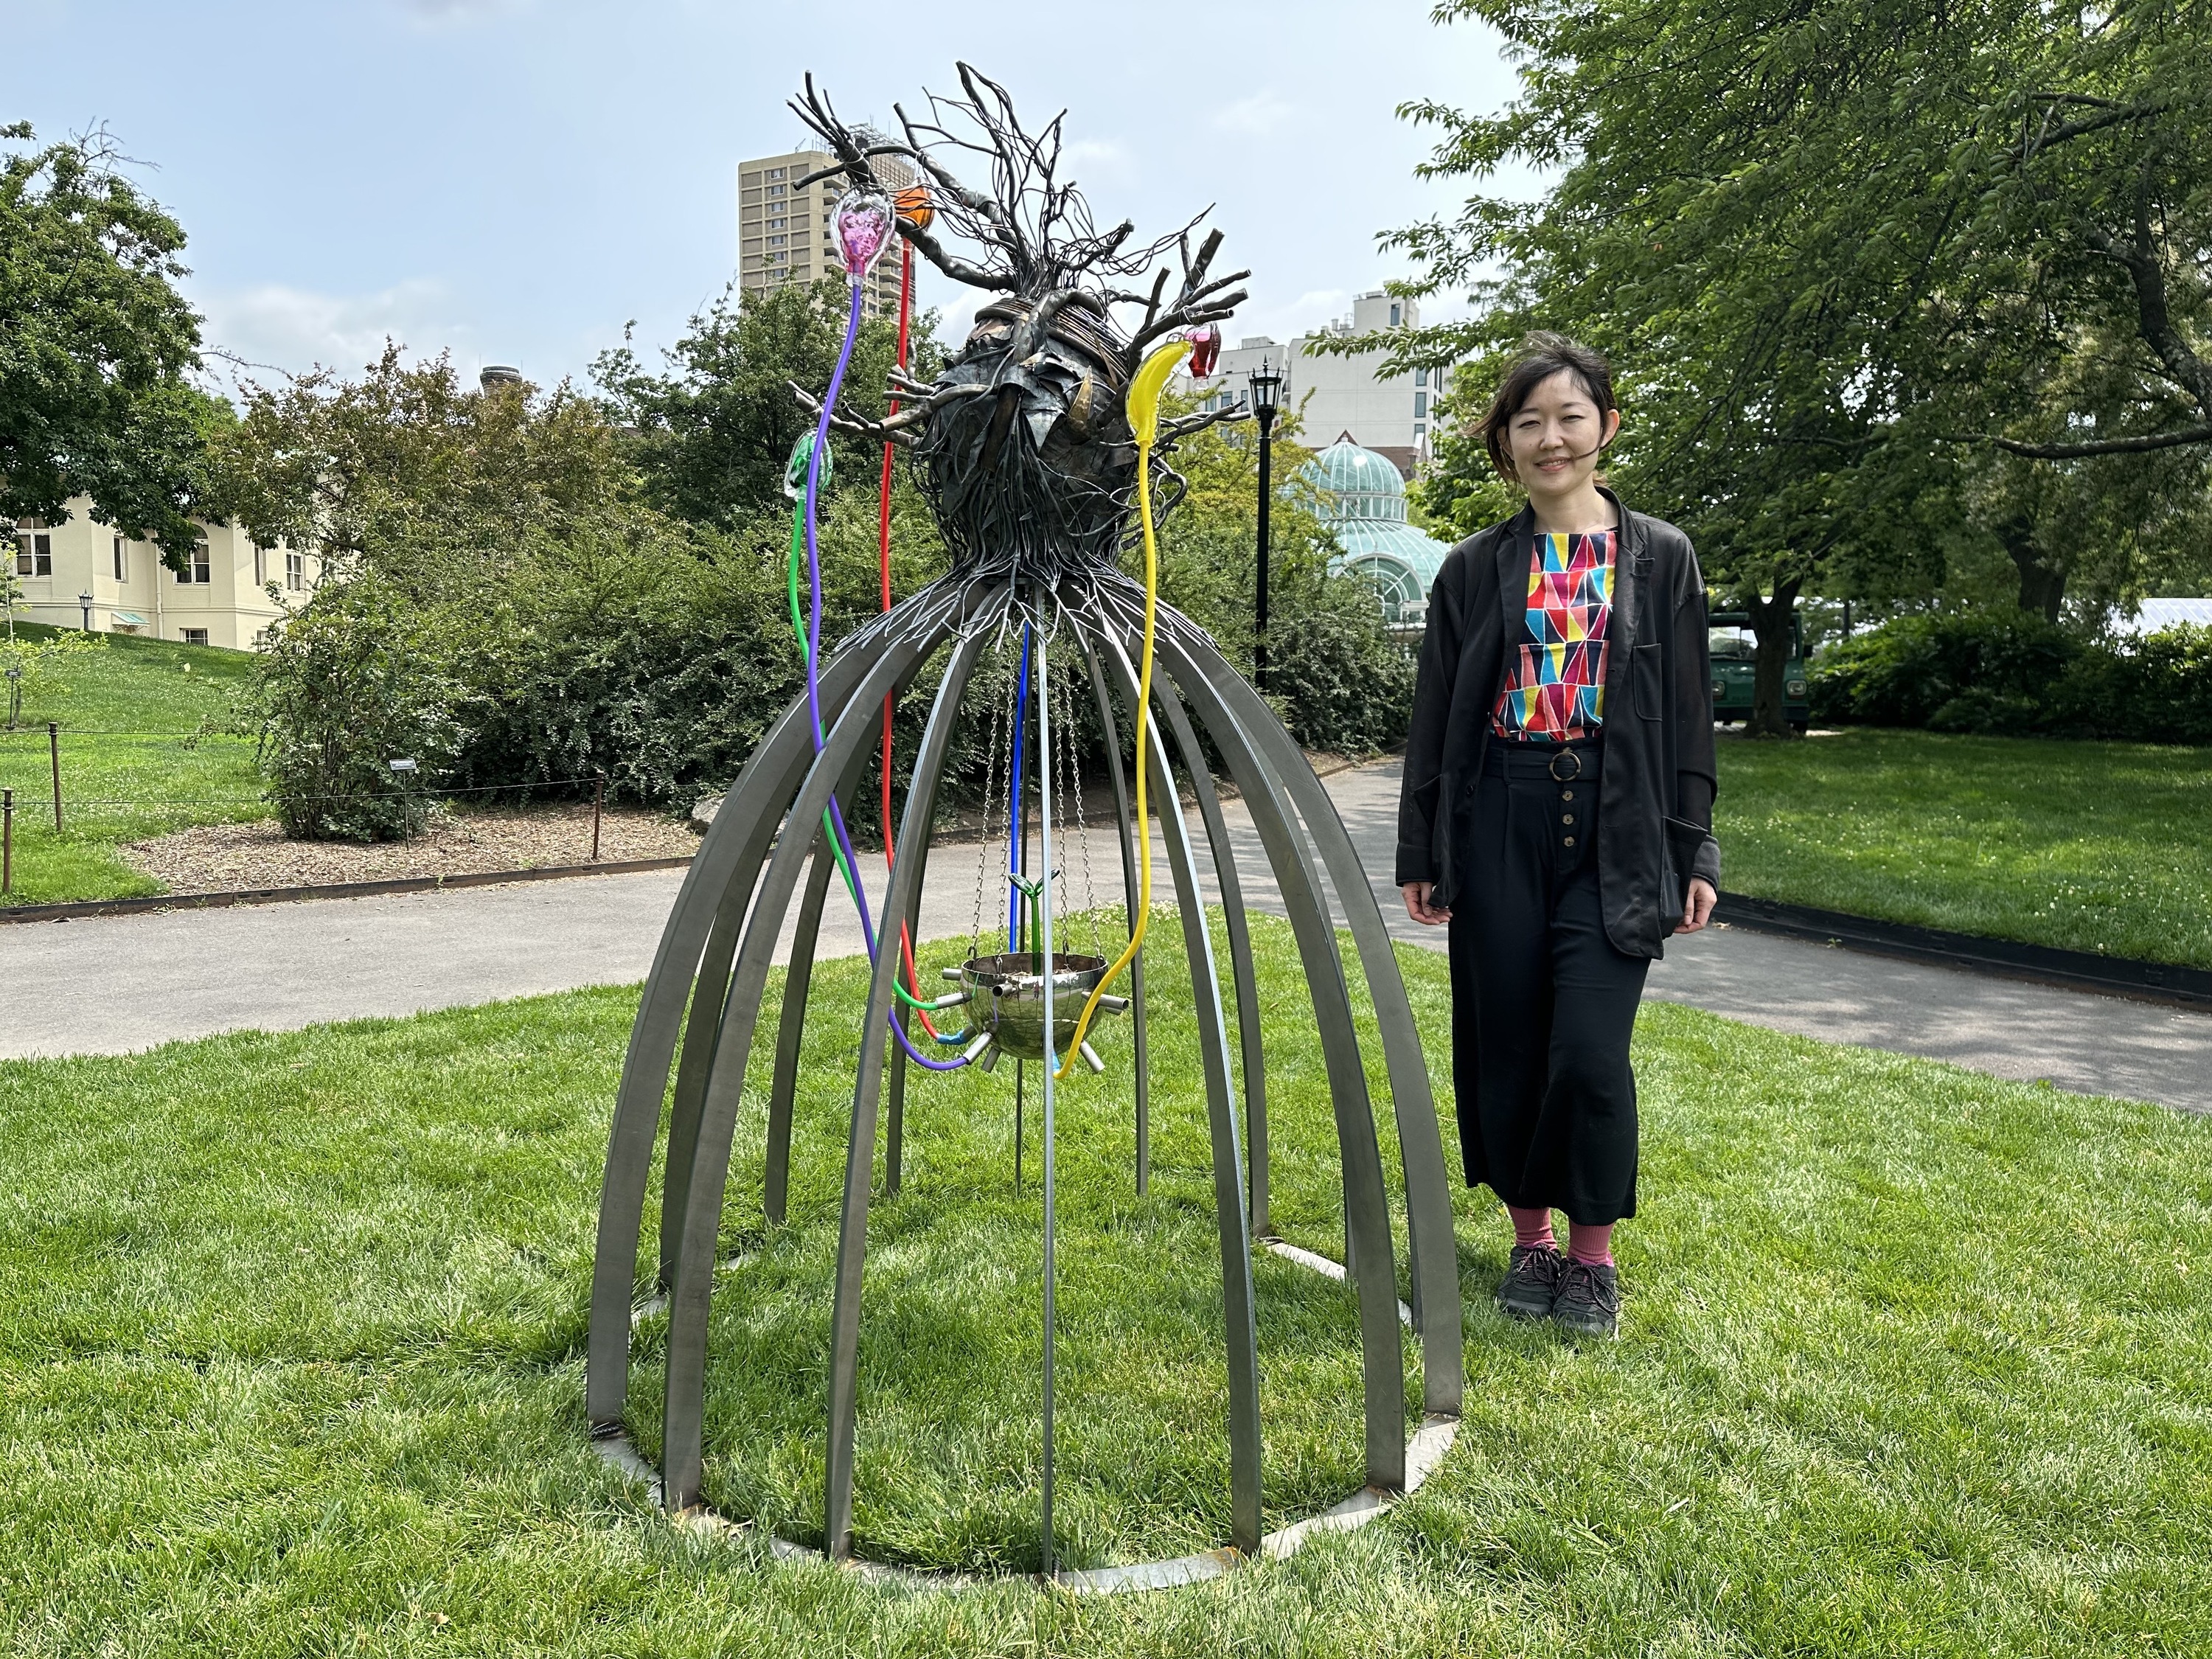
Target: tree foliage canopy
[[96, 347], [1880, 276], [414, 472], [711, 433]]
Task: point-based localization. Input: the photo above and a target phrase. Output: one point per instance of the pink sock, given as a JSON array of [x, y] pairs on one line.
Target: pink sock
[[1592, 1246], [1532, 1228]]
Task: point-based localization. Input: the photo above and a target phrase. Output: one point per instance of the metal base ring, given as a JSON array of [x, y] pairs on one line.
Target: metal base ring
[[1425, 1453]]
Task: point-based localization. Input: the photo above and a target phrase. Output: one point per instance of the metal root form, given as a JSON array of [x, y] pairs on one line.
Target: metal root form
[[1036, 450]]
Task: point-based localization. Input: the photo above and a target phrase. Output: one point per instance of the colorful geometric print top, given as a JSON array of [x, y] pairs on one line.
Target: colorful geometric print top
[[1555, 680]]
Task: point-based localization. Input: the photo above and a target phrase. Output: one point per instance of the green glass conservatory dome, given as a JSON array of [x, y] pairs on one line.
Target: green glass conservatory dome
[[1366, 508]]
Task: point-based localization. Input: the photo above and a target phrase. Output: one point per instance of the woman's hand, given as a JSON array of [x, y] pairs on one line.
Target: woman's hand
[[1697, 908], [1429, 915]]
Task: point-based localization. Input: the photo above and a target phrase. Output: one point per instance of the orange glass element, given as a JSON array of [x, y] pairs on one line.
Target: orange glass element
[[913, 206]]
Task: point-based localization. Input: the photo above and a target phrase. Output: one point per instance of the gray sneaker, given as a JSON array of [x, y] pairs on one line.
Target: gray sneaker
[[1531, 1282], [1589, 1302]]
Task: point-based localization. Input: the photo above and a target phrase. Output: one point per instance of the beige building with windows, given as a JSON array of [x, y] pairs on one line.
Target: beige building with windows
[[78, 573], [783, 226]]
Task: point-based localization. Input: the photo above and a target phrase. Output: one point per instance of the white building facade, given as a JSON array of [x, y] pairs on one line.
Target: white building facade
[[1393, 415], [75, 573]]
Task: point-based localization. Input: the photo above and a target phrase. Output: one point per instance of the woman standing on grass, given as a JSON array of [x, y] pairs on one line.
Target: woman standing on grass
[[1557, 812]]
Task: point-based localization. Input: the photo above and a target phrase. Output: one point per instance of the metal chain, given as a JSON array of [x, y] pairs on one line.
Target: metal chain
[[1083, 837], [983, 850]]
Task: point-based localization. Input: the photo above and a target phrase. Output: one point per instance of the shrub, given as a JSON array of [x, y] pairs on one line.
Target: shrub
[[2158, 690], [1335, 674], [506, 609], [1969, 671], [348, 686], [2012, 673]]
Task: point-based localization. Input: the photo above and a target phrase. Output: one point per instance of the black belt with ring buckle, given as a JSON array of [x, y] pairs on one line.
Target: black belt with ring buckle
[[1558, 776]]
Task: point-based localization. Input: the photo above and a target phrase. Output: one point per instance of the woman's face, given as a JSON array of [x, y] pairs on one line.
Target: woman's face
[[1556, 437]]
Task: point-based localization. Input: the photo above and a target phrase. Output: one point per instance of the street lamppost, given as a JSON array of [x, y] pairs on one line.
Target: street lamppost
[[1266, 398], [85, 601]]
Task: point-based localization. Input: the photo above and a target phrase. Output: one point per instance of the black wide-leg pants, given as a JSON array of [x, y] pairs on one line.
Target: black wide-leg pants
[[1543, 1005]]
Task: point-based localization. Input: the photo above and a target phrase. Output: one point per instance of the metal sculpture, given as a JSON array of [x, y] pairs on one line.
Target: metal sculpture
[[1036, 447]]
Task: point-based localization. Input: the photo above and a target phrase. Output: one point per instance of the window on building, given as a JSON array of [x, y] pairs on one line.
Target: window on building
[[779, 190], [34, 554], [776, 173], [122, 560], [1420, 404], [260, 564], [1395, 309], [1419, 431], [198, 568], [194, 635], [295, 572], [1420, 377]]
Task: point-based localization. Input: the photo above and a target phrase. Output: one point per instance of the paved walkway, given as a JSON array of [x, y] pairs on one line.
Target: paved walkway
[[114, 985]]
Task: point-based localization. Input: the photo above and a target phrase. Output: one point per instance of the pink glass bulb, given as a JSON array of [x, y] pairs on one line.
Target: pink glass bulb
[[1204, 350], [862, 226]]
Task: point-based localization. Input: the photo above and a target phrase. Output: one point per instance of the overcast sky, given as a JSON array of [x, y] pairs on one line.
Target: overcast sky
[[515, 180]]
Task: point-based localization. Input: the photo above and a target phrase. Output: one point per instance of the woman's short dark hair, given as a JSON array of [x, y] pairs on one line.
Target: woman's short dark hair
[[1542, 356]]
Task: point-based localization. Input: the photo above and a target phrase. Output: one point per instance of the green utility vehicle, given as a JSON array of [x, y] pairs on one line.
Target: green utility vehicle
[[1735, 652]]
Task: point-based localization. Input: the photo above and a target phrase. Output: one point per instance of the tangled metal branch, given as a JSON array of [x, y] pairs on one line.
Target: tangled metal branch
[[1022, 444]]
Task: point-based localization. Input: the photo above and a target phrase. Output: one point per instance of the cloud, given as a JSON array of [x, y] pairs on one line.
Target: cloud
[[1097, 158], [436, 13], [289, 330], [1259, 116]]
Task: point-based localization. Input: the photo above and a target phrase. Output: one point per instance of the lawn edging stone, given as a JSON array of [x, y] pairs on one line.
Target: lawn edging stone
[[134, 907], [2077, 970]]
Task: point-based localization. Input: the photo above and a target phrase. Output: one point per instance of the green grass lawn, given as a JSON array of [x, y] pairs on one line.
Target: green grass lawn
[[2088, 846], [145, 749], [290, 1362]]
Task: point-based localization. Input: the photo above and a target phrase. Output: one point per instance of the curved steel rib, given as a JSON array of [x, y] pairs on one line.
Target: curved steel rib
[[860, 1145], [719, 880], [1251, 1061], [791, 1028], [1133, 891], [1229, 1192], [791, 1020], [1366, 1202], [1219, 691], [682, 1426]]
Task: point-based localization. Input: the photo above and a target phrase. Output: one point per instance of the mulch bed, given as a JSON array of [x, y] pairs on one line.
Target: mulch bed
[[221, 857]]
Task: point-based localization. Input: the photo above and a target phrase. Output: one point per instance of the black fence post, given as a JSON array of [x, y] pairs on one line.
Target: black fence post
[[598, 804], [7, 841], [54, 747]]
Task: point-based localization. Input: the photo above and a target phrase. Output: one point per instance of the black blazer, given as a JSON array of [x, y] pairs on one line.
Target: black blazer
[[1656, 794]]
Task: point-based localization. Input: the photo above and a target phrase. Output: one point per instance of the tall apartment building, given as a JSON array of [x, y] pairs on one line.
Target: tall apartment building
[[75, 570], [1350, 396], [783, 226]]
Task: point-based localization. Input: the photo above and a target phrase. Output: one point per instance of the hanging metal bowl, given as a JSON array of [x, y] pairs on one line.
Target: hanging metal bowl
[[1006, 994]]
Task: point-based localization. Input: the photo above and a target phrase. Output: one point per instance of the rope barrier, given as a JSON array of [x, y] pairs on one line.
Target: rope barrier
[[262, 800], [107, 731]]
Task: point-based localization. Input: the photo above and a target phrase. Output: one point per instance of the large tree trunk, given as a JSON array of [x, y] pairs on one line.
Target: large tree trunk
[[2040, 587], [1770, 626]]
